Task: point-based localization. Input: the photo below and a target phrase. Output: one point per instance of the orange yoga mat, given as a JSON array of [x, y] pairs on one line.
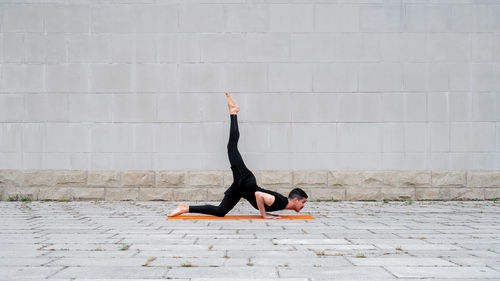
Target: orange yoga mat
[[204, 217]]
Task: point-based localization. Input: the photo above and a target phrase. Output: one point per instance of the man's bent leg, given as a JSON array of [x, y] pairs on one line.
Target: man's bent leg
[[230, 200]]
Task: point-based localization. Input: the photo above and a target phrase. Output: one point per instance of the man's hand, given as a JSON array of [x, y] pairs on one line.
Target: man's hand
[[271, 216]]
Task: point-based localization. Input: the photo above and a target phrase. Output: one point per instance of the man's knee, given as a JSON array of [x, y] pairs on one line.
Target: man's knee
[[220, 213]]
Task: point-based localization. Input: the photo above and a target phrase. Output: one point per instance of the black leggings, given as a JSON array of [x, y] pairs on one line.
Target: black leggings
[[241, 176]]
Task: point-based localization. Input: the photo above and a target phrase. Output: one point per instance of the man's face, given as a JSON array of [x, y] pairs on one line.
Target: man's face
[[299, 204]]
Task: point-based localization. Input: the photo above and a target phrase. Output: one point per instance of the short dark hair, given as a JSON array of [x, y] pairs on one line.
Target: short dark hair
[[297, 193]]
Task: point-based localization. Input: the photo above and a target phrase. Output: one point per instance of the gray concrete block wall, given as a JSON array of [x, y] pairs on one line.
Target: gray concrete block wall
[[327, 85]]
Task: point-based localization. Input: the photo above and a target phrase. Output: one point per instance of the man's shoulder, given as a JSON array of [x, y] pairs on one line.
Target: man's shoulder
[[274, 193], [266, 192]]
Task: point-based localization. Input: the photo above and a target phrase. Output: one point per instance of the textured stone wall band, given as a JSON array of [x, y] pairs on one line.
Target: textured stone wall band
[[210, 185]]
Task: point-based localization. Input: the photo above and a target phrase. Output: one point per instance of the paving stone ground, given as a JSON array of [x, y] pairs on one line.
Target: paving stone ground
[[346, 241]]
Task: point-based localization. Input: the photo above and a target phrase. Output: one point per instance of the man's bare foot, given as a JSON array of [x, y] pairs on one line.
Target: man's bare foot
[[231, 103], [181, 209]]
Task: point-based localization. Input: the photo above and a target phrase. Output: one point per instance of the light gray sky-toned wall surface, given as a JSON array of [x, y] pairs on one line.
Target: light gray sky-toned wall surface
[[347, 85]]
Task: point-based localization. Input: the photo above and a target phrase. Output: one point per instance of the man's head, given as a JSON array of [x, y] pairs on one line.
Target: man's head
[[298, 197]]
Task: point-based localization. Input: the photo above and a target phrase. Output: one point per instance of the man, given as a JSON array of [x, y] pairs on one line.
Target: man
[[244, 184]]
